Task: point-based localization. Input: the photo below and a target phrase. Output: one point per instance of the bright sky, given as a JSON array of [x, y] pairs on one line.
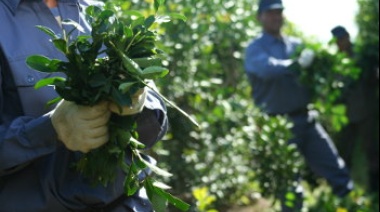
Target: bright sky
[[317, 17]]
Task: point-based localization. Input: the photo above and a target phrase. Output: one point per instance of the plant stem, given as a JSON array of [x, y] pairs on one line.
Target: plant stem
[[172, 104]]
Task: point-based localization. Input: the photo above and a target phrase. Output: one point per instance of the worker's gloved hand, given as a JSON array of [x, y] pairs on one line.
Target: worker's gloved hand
[[138, 103], [81, 128], [306, 58]]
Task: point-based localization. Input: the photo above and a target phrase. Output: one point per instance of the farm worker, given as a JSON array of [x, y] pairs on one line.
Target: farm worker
[[277, 91], [38, 144], [360, 100]]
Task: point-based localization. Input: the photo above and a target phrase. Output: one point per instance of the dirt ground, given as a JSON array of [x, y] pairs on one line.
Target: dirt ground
[[261, 206]]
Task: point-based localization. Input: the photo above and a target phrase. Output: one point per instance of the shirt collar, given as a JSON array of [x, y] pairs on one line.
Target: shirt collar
[[268, 38], [13, 4]]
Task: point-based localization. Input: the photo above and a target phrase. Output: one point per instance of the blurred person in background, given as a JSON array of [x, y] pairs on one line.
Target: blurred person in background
[[360, 100], [277, 91]]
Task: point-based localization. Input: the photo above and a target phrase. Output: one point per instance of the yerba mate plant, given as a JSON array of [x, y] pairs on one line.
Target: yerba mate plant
[[329, 76]]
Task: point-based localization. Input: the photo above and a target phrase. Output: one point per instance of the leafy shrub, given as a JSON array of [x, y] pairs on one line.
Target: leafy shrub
[[327, 79]]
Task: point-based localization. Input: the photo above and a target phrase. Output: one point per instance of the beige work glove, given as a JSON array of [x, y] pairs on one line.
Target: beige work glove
[[306, 58], [81, 128], [138, 103]]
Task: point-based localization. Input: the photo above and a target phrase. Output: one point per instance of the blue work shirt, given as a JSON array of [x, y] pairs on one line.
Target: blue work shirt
[[35, 168], [275, 88]]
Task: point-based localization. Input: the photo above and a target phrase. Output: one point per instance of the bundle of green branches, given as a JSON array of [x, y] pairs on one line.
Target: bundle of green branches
[[111, 64], [330, 74]]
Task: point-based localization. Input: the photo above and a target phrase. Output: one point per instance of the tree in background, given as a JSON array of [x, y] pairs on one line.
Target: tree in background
[[368, 58], [368, 37]]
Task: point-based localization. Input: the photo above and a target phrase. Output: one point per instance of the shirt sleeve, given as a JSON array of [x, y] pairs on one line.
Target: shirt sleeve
[[24, 140], [152, 123], [260, 63]]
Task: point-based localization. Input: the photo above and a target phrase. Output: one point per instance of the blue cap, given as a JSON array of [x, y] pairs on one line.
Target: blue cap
[[339, 32], [265, 5]]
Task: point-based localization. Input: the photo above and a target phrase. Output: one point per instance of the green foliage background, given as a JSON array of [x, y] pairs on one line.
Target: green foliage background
[[368, 38], [205, 56]]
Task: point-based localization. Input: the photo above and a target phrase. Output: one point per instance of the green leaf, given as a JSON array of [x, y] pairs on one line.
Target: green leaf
[[129, 64], [76, 25], [128, 32], [289, 204], [133, 13], [154, 72], [161, 186], [177, 16], [48, 82], [119, 28], [146, 62], [121, 99], [48, 31], [106, 14], [139, 22], [40, 63], [61, 45], [149, 21], [125, 87], [136, 144], [170, 17], [159, 203], [140, 165], [54, 101], [154, 168], [290, 196], [181, 205], [93, 11], [339, 109], [158, 3], [131, 185]]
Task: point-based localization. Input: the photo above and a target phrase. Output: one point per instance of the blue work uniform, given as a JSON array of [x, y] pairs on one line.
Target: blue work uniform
[[277, 91], [36, 172]]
